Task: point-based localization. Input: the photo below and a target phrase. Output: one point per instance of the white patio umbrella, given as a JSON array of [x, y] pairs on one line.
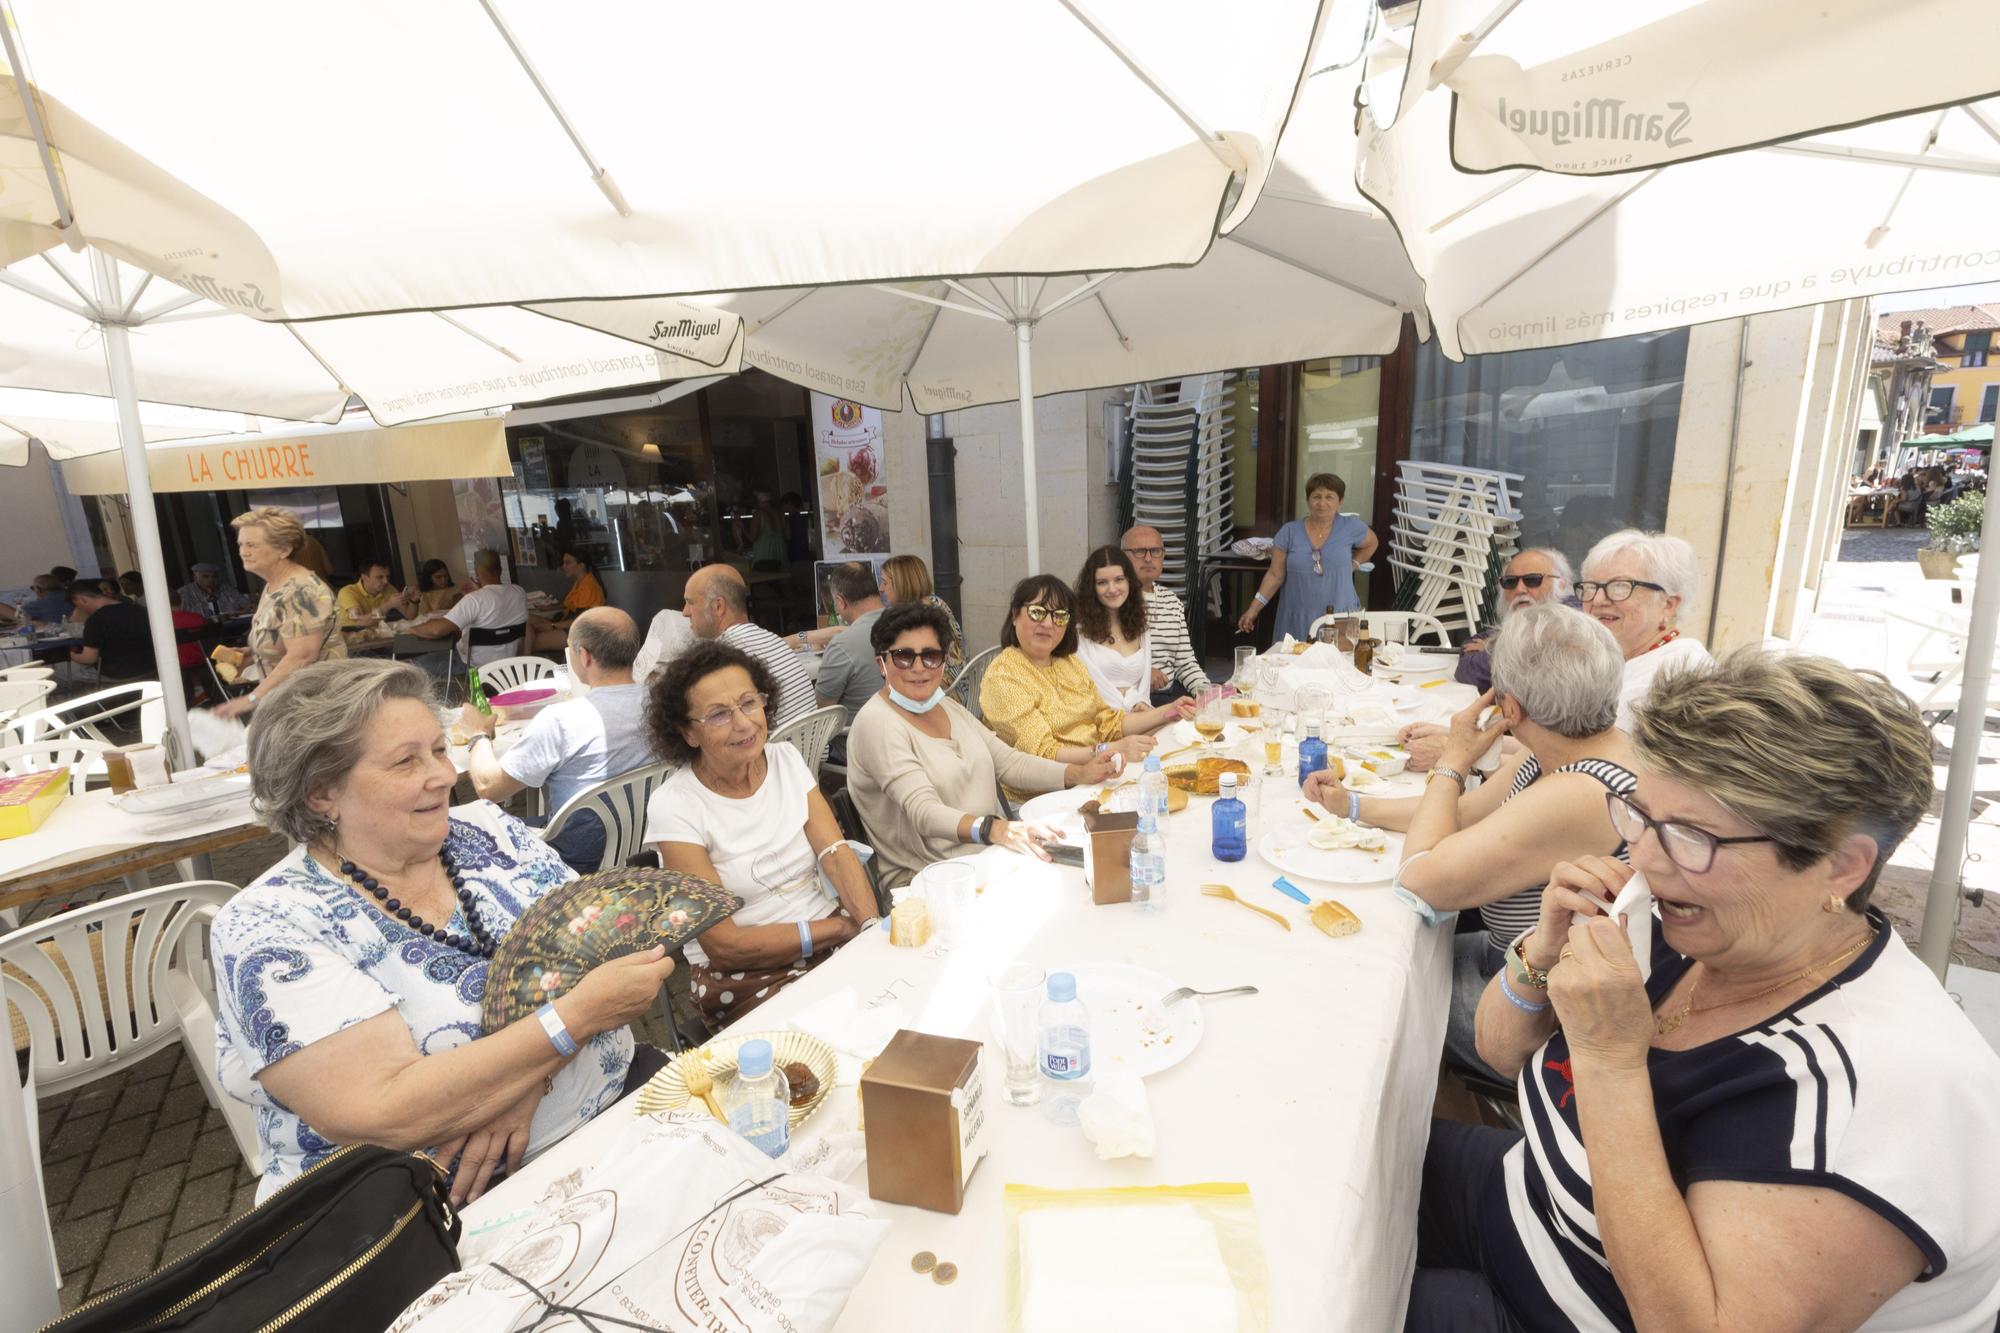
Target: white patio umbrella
[[382, 156], [1590, 88], [1314, 270], [72, 425]]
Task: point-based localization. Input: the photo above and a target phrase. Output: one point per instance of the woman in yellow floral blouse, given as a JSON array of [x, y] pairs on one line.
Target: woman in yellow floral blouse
[[294, 624], [1038, 698]]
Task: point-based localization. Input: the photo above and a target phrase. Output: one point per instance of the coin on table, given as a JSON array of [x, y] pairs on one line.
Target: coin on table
[[945, 1274], [923, 1261]]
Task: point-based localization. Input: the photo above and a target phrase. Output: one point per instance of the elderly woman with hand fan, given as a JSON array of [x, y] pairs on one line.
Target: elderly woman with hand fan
[[349, 976]]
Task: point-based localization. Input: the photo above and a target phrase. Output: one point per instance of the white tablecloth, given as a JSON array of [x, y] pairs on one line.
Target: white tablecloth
[[1316, 1092], [90, 825]]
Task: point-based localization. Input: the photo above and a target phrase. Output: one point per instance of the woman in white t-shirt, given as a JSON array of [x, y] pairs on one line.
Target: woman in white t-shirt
[[1636, 584], [745, 814], [1112, 641]]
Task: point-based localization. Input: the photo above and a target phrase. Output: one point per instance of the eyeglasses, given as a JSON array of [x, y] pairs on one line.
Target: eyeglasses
[[1145, 552], [905, 658], [1614, 590], [1513, 581], [1046, 614], [750, 705], [1690, 848]]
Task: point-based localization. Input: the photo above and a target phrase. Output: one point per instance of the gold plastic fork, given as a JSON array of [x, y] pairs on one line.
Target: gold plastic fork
[[700, 1084], [1224, 891]]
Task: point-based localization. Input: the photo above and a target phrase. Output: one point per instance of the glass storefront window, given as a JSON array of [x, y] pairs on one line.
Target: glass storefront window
[[1589, 427]]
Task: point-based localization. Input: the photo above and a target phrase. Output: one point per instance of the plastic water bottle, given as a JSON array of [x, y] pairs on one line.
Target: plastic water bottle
[[1312, 753], [1153, 789], [1064, 1050], [1148, 864], [1230, 823], [758, 1101]]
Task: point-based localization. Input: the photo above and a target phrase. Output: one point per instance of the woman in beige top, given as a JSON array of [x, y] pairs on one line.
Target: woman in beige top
[[295, 621], [922, 770]]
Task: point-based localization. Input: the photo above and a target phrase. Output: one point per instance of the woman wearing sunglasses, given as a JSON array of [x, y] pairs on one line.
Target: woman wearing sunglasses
[[1313, 562], [745, 814], [922, 769], [1788, 1124], [1637, 584], [1039, 699]]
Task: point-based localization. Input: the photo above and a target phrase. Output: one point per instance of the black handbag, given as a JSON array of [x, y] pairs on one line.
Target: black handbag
[[341, 1249]]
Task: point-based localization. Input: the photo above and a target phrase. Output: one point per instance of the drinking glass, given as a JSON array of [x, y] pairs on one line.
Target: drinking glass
[[1017, 1002], [1246, 655], [1211, 715], [947, 886]]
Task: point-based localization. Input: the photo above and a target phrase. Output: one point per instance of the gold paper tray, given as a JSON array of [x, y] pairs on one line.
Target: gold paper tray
[[667, 1090]]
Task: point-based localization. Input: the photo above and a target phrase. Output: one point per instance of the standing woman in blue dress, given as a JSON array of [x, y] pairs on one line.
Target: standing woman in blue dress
[[1313, 561]]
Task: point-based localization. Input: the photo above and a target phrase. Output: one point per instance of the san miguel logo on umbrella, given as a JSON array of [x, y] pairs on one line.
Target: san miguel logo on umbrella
[[666, 330], [1599, 118]]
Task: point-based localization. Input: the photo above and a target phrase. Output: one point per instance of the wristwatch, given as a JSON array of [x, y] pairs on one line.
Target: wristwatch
[[1452, 773], [1519, 969]]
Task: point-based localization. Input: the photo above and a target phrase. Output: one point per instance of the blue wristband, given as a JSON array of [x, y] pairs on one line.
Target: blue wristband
[[805, 939], [559, 1037], [1354, 806], [1525, 1006]]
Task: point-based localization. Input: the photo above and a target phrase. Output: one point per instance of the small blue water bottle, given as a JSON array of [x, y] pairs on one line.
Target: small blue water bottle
[[1229, 821], [1312, 753]]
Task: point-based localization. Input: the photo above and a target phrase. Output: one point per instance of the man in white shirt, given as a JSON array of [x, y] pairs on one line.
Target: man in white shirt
[[717, 604], [1176, 670], [490, 605], [571, 746]]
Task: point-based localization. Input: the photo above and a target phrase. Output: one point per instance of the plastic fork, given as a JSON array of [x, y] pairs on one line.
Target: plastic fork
[[1224, 891]]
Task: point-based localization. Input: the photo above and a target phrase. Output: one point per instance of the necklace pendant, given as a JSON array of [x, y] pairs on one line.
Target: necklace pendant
[[1671, 1024]]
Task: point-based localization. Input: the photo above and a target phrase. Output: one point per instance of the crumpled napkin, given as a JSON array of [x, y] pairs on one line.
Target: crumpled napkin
[[856, 1034], [1116, 1117]]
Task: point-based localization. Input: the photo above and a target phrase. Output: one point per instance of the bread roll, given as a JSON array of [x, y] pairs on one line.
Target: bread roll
[[1335, 919]]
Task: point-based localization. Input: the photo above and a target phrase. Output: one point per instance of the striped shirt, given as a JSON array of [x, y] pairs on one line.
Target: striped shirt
[[1518, 911], [795, 687], [1173, 653], [1875, 1085]]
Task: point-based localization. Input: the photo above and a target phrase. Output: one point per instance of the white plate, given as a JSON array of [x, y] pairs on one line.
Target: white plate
[[1420, 665], [1389, 789], [1286, 848], [1058, 809], [1183, 733], [180, 796], [1129, 1031]]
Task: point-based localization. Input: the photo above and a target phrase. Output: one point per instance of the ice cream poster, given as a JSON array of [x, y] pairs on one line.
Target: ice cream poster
[[852, 484]]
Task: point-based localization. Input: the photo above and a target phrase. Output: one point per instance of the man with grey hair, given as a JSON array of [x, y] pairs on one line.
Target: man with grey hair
[[573, 745], [716, 602], [207, 596], [491, 604], [1176, 670]]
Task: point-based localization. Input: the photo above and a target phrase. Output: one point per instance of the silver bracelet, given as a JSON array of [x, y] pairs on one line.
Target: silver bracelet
[[805, 939]]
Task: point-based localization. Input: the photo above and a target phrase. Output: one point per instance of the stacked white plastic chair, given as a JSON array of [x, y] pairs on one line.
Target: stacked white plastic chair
[[1455, 527], [1180, 438]]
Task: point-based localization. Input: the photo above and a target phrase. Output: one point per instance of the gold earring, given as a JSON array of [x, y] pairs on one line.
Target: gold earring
[[1834, 904]]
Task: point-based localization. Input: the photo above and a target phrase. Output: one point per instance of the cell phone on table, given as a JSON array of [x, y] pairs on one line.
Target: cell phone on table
[[1065, 855]]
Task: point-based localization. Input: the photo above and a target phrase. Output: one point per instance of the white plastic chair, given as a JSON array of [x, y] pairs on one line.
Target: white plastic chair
[[86, 715], [965, 687], [620, 805], [511, 673], [28, 671], [23, 696], [80, 756], [1391, 626], [812, 735]]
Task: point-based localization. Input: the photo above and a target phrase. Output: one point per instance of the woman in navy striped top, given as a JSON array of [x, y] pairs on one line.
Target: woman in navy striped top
[[1789, 1125]]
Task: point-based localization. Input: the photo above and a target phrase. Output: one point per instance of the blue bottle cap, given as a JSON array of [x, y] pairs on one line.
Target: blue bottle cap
[[1148, 824], [1153, 763], [753, 1059], [1062, 987]]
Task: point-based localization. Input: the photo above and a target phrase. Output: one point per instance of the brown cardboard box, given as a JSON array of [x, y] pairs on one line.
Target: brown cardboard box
[[1107, 863], [923, 1103]]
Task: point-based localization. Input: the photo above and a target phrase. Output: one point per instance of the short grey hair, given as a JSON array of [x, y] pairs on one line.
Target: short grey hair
[[1557, 561], [1562, 667], [1669, 561], [485, 558], [307, 735]]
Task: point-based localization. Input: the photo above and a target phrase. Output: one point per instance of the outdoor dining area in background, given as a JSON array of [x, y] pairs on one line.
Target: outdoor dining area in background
[[1171, 677]]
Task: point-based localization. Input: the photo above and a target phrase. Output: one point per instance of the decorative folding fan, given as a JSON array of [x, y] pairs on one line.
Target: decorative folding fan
[[592, 920]]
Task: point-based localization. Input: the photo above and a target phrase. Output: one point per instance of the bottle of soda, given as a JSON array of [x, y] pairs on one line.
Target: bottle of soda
[[1312, 753], [1229, 828], [475, 693], [1364, 648], [1064, 1050]]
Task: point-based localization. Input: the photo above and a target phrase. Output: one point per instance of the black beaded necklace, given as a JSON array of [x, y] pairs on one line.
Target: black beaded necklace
[[480, 945]]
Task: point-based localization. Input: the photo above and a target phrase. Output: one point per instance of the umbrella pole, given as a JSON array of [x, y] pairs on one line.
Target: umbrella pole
[[145, 519], [1024, 335], [1968, 730]]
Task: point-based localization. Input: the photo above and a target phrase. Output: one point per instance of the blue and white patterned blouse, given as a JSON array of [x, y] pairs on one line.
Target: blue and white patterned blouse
[[301, 955]]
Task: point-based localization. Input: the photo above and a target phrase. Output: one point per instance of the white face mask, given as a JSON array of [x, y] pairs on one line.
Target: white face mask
[[905, 702]]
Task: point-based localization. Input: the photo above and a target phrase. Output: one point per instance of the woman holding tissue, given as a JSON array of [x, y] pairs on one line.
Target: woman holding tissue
[[1313, 562], [1788, 1124], [1556, 677]]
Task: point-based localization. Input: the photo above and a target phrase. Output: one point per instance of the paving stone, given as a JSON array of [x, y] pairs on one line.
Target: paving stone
[[179, 1247], [203, 1201], [140, 1098], [102, 1188], [79, 1134], [125, 1139], [213, 1151], [51, 1115], [161, 1063], [80, 1243], [59, 1181], [184, 1074], [246, 1198], [73, 1289], [96, 1096], [167, 1146], [212, 1119], [132, 1252], [186, 1102], [152, 1194]]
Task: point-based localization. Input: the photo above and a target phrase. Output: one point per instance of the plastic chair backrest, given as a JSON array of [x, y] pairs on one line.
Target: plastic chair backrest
[[73, 752], [20, 696], [86, 714], [812, 735], [91, 983], [511, 673], [28, 671], [620, 805], [965, 689]]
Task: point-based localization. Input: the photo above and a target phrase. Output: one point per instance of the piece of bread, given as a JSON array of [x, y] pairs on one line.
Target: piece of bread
[[1204, 776], [1334, 918]]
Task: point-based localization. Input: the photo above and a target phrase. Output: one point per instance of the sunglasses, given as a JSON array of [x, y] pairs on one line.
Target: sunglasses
[[1044, 614], [905, 658], [1513, 581]]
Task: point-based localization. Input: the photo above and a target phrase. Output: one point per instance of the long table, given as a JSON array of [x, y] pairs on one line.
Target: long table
[[1316, 1092]]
